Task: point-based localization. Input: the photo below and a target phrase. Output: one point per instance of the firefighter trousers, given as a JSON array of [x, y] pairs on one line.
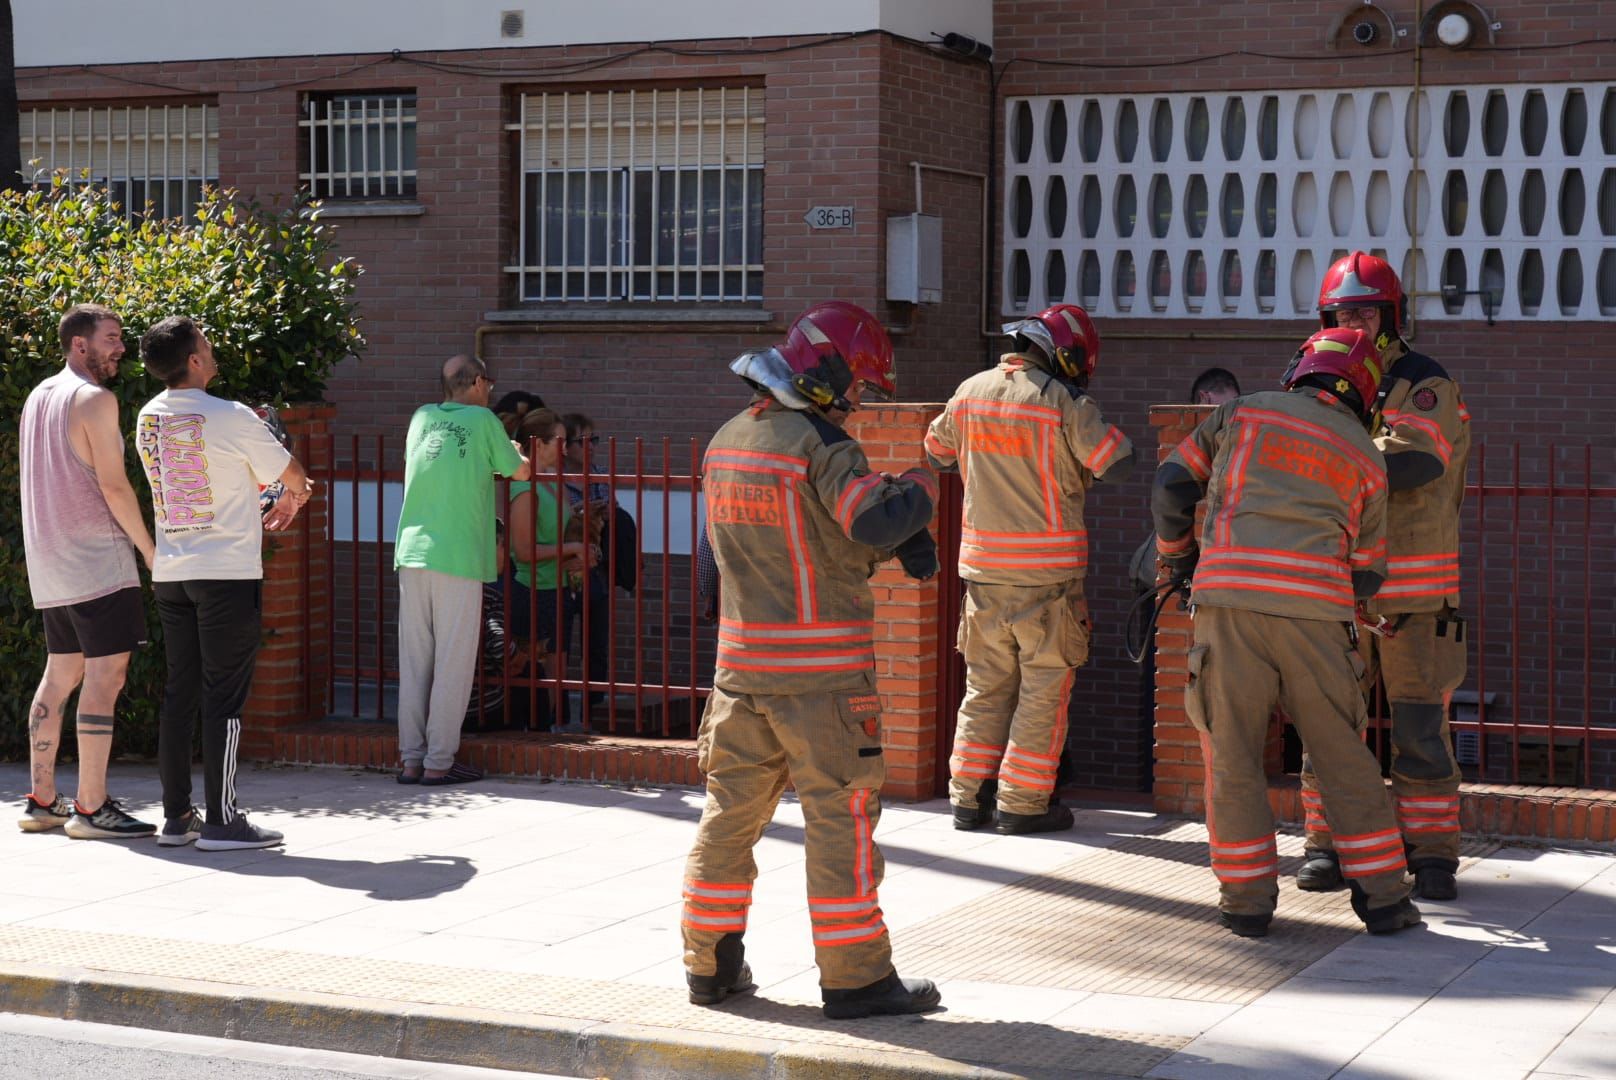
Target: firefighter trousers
[[1021, 645], [829, 746], [1422, 664], [1242, 664]]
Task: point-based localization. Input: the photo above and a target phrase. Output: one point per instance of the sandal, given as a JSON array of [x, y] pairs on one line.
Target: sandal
[[457, 774]]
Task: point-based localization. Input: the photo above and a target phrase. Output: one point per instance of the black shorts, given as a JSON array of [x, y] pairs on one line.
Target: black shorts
[[105, 626]]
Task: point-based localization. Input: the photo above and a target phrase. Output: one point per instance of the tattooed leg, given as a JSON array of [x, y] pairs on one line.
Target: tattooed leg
[[62, 673], [103, 680]]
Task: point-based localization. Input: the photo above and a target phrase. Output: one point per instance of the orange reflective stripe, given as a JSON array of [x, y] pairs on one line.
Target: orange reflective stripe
[[757, 460], [852, 495], [1008, 410], [836, 934], [935, 447], [1374, 475], [1433, 430], [796, 541], [864, 844], [780, 635], [1195, 459], [1097, 461], [848, 662]]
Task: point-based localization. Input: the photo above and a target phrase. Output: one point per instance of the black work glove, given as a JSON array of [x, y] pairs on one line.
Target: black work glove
[[1182, 567], [918, 554]]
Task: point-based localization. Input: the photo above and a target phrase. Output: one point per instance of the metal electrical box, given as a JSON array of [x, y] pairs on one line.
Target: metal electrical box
[[915, 258]]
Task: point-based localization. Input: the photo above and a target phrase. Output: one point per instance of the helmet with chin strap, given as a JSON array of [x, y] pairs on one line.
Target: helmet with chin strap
[[834, 344], [1066, 337]]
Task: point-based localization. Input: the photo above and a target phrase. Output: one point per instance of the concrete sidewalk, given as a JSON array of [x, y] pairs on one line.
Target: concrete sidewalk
[[520, 924]]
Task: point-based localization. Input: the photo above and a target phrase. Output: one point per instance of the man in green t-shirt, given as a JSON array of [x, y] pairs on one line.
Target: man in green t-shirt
[[444, 552]]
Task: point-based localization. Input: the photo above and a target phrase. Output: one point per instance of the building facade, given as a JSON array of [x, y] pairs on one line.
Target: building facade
[[611, 203]]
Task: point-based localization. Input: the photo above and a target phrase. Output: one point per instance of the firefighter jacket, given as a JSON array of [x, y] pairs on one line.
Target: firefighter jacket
[[1426, 442], [798, 523], [1028, 448], [1295, 506]]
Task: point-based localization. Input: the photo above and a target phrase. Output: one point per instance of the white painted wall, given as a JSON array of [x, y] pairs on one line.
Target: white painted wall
[[51, 32]]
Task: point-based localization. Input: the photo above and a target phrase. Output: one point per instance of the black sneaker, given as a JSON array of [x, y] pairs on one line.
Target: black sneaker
[[1435, 883], [890, 996], [1057, 818], [1320, 873], [43, 817], [240, 833], [108, 823], [1245, 925], [179, 831]]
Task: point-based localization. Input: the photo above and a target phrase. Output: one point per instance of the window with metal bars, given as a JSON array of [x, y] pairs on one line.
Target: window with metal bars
[[359, 145], [648, 195], [148, 156]]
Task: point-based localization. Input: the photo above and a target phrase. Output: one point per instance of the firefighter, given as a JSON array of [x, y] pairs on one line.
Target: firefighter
[[1294, 532], [1028, 442], [798, 523], [1425, 437]]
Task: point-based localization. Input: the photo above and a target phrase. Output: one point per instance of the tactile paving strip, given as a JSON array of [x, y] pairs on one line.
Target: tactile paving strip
[[1004, 1045], [1137, 918]]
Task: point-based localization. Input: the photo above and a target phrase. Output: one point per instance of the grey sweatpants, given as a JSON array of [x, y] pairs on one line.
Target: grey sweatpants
[[438, 624]]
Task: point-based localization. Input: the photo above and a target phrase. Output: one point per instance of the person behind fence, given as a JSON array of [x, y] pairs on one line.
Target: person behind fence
[[798, 523], [1425, 439], [205, 459], [541, 554], [1294, 534], [444, 553], [499, 656], [614, 533], [1029, 442], [81, 530]]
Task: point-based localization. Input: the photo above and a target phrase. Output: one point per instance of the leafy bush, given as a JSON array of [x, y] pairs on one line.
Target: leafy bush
[[275, 301]]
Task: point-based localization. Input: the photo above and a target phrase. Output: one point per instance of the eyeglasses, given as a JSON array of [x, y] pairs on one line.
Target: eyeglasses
[[1357, 314], [579, 440]]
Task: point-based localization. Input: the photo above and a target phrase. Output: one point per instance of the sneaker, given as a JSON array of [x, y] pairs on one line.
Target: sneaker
[[40, 817], [108, 823], [239, 834], [890, 996], [179, 831]]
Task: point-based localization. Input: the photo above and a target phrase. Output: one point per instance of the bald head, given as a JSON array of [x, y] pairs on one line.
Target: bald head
[[460, 375]]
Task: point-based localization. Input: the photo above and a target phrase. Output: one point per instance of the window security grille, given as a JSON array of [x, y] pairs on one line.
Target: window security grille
[[360, 146], [156, 154], [1232, 205], [640, 195]]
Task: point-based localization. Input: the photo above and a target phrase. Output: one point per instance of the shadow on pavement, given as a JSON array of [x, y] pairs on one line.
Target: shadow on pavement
[[413, 877]]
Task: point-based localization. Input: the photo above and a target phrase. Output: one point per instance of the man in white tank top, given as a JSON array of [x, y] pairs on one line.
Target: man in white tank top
[[81, 529]]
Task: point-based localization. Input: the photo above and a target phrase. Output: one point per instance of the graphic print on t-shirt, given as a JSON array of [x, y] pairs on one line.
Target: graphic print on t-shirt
[[172, 452]]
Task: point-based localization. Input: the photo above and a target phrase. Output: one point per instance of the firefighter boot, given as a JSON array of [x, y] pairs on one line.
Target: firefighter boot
[[1056, 819], [967, 818], [890, 996], [1245, 925], [734, 975], [1321, 872], [1434, 880], [1383, 920]]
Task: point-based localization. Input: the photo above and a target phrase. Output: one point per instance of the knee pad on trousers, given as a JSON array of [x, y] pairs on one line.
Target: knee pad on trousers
[[1423, 752]]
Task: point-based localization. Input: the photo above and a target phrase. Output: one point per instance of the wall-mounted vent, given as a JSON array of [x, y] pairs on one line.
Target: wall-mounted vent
[[512, 23]]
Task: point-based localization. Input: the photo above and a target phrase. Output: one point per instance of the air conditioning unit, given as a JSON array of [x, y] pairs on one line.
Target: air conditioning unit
[[915, 258]]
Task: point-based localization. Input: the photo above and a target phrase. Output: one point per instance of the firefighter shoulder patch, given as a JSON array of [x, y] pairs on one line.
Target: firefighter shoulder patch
[[1425, 399]]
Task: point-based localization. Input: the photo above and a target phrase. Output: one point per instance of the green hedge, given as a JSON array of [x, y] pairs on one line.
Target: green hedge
[[275, 301]]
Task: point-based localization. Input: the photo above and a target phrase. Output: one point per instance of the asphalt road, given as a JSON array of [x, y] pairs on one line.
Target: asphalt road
[[37, 1047]]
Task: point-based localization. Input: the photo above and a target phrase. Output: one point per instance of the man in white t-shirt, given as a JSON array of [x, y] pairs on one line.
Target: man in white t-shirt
[[205, 458]]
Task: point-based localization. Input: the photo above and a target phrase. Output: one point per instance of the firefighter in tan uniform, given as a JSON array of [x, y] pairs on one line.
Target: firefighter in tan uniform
[[1028, 442], [1425, 438], [1294, 534], [798, 523]]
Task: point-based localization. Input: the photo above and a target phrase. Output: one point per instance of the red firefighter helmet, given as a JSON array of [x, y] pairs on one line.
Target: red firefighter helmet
[[833, 343], [1361, 280], [1347, 360], [1066, 335]]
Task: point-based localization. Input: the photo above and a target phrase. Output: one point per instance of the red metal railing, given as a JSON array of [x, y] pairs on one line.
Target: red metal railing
[[670, 648]]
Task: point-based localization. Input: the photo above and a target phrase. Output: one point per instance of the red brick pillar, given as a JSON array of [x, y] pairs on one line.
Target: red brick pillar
[[293, 660], [906, 659]]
